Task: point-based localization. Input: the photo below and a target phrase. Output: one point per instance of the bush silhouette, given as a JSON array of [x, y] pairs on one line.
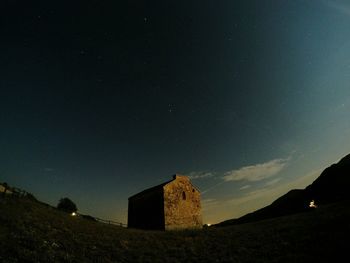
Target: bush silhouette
[[67, 205]]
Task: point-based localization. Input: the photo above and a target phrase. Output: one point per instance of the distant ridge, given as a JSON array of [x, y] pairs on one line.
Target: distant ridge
[[331, 186], [333, 183]]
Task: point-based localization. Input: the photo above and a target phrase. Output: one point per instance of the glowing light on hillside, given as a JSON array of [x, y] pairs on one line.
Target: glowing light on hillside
[[312, 204], [208, 224], [74, 214]]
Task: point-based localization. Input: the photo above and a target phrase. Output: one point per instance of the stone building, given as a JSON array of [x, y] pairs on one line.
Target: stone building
[[175, 204]]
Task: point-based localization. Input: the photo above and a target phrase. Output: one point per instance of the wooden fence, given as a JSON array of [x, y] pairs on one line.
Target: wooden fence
[[13, 191], [110, 222], [17, 192]]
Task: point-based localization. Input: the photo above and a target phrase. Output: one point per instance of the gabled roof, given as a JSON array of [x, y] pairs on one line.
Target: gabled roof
[[152, 189], [186, 177], [160, 187]]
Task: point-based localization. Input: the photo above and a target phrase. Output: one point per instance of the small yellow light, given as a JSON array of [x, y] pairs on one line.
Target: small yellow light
[[312, 204], [208, 224], [74, 214]]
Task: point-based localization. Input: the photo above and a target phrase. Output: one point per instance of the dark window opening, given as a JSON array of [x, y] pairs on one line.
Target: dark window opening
[[183, 196]]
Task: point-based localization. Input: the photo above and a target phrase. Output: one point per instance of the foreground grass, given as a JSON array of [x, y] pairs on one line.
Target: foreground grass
[[35, 232]]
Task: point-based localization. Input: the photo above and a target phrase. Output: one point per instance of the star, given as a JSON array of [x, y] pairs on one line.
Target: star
[[170, 108]]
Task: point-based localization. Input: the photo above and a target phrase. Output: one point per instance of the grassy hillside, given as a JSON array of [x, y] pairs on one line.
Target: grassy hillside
[[34, 232]]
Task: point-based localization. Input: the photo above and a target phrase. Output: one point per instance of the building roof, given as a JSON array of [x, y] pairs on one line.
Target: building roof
[[160, 186]]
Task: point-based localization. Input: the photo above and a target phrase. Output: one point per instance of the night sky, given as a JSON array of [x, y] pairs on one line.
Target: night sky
[[102, 99]]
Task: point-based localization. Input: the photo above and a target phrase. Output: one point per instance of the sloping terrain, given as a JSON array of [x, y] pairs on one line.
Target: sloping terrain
[[34, 232], [333, 183], [331, 186]]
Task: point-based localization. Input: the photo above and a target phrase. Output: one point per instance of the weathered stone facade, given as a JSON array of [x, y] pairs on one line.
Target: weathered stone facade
[[173, 205], [182, 204]]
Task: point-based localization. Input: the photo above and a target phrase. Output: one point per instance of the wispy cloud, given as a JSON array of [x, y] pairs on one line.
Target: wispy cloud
[[200, 175], [47, 169], [252, 173], [243, 202], [260, 197], [273, 182], [212, 187], [245, 187], [256, 172]]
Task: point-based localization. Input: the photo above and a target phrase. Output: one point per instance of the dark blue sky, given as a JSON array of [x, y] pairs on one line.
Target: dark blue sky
[[100, 100]]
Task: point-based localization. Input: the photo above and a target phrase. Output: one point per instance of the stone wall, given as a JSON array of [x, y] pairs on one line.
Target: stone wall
[[182, 206]]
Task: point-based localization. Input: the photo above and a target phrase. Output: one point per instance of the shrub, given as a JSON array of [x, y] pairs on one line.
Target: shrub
[[67, 205]]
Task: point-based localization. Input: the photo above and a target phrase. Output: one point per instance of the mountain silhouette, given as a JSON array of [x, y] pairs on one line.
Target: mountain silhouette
[[331, 186], [333, 183]]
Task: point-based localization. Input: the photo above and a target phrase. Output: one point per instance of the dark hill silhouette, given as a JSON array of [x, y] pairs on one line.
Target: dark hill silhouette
[[333, 183], [331, 186]]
